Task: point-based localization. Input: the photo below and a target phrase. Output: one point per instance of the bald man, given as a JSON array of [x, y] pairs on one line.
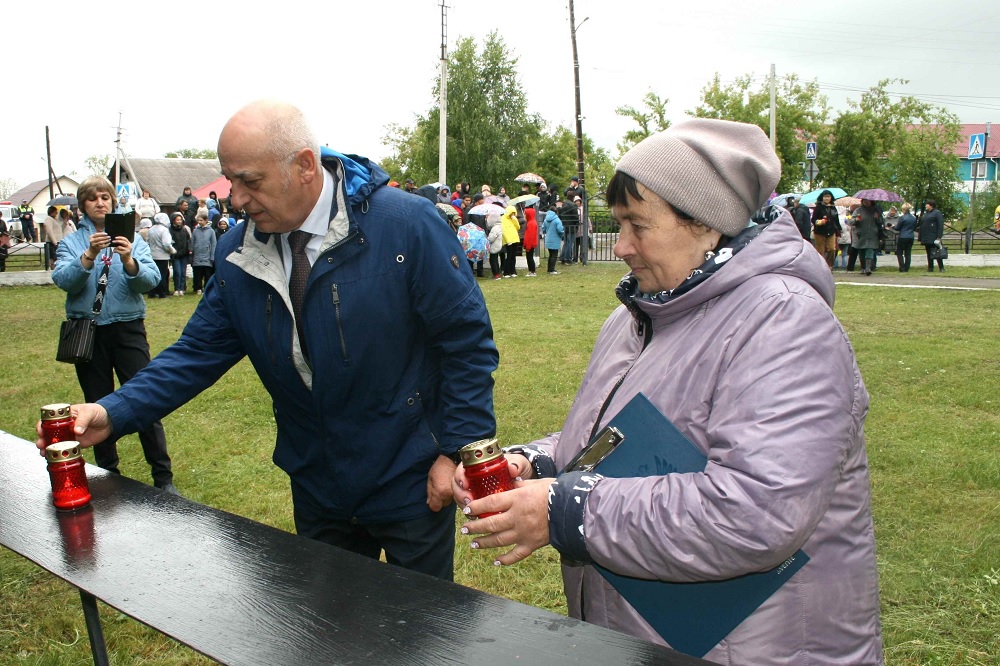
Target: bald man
[[378, 352]]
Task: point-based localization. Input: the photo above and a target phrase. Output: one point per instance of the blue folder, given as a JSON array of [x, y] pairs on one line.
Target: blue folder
[[691, 617]]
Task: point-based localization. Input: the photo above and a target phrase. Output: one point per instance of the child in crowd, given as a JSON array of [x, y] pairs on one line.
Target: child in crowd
[[495, 238], [203, 241]]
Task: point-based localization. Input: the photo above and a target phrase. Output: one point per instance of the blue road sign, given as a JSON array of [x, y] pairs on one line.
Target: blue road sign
[[977, 146], [811, 150]]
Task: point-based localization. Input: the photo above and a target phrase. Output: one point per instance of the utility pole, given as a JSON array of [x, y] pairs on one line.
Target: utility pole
[[774, 139], [584, 227], [443, 103], [972, 199], [48, 160]]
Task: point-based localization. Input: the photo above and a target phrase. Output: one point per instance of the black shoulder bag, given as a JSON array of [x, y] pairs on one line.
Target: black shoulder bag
[[76, 336]]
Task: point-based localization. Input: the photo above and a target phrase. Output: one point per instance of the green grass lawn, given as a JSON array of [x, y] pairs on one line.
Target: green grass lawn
[[930, 360]]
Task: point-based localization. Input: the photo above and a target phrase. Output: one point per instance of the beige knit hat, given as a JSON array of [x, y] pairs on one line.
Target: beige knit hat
[[718, 171]]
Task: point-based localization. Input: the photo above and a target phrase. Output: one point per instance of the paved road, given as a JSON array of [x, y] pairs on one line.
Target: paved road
[[915, 279], [884, 276]]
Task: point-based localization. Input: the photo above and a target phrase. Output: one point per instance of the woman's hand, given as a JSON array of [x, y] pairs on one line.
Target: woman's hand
[[523, 522], [517, 465], [98, 242], [123, 248]]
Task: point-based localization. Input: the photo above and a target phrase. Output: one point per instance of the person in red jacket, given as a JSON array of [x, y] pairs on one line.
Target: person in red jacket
[[530, 238]]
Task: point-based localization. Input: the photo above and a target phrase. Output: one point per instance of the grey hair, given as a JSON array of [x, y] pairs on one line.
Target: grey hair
[[289, 133]]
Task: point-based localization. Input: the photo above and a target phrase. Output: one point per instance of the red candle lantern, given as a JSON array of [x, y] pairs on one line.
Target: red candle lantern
[[67, 475], [485, 469], [57, 424]]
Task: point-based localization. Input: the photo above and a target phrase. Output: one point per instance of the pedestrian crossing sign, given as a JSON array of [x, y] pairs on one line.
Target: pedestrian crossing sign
[[977, 146], [811, 150]]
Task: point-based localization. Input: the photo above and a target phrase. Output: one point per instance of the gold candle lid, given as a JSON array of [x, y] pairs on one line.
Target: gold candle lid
[[480, 452], [63, 451], [59, 410]]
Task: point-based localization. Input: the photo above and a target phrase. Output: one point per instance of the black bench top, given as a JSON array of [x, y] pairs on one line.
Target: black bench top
[[244, 593]]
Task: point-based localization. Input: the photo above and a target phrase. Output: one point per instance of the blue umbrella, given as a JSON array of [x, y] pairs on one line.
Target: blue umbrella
[[473, 240], [812, 197]]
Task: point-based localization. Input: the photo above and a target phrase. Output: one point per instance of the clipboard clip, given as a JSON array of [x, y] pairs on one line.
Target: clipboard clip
[[592, 455]]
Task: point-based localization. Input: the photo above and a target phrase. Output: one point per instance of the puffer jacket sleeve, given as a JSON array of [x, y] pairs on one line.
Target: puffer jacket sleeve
[[148, 275], [69, 274], [785, 412]]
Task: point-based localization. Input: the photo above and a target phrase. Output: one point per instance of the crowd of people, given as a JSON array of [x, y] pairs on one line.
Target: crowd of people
[[515, 228], [843, 234]]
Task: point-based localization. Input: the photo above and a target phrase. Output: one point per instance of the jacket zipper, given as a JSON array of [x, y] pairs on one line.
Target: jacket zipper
[[335, 292], [645, 329], [270, 341]]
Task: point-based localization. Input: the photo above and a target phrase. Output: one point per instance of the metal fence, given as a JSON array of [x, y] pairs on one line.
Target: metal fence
[[985, 241]]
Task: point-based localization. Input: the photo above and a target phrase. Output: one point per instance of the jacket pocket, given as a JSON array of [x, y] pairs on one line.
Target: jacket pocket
[[270, 339], [335, 298]]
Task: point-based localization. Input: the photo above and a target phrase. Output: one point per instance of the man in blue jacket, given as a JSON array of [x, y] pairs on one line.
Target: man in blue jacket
[[379, 371]]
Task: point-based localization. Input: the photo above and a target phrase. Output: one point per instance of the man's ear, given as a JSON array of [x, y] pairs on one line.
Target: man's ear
[[305, 162]]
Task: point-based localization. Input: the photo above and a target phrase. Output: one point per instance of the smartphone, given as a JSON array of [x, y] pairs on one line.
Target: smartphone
[[120, 224], [592, 455]]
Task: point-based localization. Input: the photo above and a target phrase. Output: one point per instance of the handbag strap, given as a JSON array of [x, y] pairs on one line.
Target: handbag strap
[[102, 284]]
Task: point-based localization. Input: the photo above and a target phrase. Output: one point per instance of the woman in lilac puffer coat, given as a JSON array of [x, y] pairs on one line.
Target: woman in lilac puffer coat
[[726, 327]]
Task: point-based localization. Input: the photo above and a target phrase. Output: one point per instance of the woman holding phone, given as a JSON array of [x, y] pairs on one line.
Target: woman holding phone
[[105, 279]]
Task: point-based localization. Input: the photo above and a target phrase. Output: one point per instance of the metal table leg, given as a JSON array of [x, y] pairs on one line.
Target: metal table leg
[[94, 632]]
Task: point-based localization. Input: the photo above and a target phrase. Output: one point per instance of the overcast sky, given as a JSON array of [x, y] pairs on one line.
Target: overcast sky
[[182, 68]]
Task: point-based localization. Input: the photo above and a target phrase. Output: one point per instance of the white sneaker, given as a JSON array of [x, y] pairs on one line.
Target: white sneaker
[[553, 272], [532, 275]]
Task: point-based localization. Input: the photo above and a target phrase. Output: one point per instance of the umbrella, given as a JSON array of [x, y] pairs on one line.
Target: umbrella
[[848, 201], [485, 210], [63, 200], [780, 199], [811, 197], [448, 209], [878, 195], [494, 199], [473, 240], [529, 178], [526, 199]]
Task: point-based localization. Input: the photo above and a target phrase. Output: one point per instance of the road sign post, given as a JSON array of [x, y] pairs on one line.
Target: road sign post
[[977, 151], [811, 150], [811, 171]]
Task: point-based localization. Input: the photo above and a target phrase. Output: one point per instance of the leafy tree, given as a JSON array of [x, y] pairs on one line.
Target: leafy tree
[[491, 135], [98, 165], [555, 160], [7, 187], [801, 115], [903, 146], [652, 119], [194, 153]]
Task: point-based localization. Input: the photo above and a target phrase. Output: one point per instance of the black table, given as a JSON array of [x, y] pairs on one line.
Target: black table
[[244, 593]]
